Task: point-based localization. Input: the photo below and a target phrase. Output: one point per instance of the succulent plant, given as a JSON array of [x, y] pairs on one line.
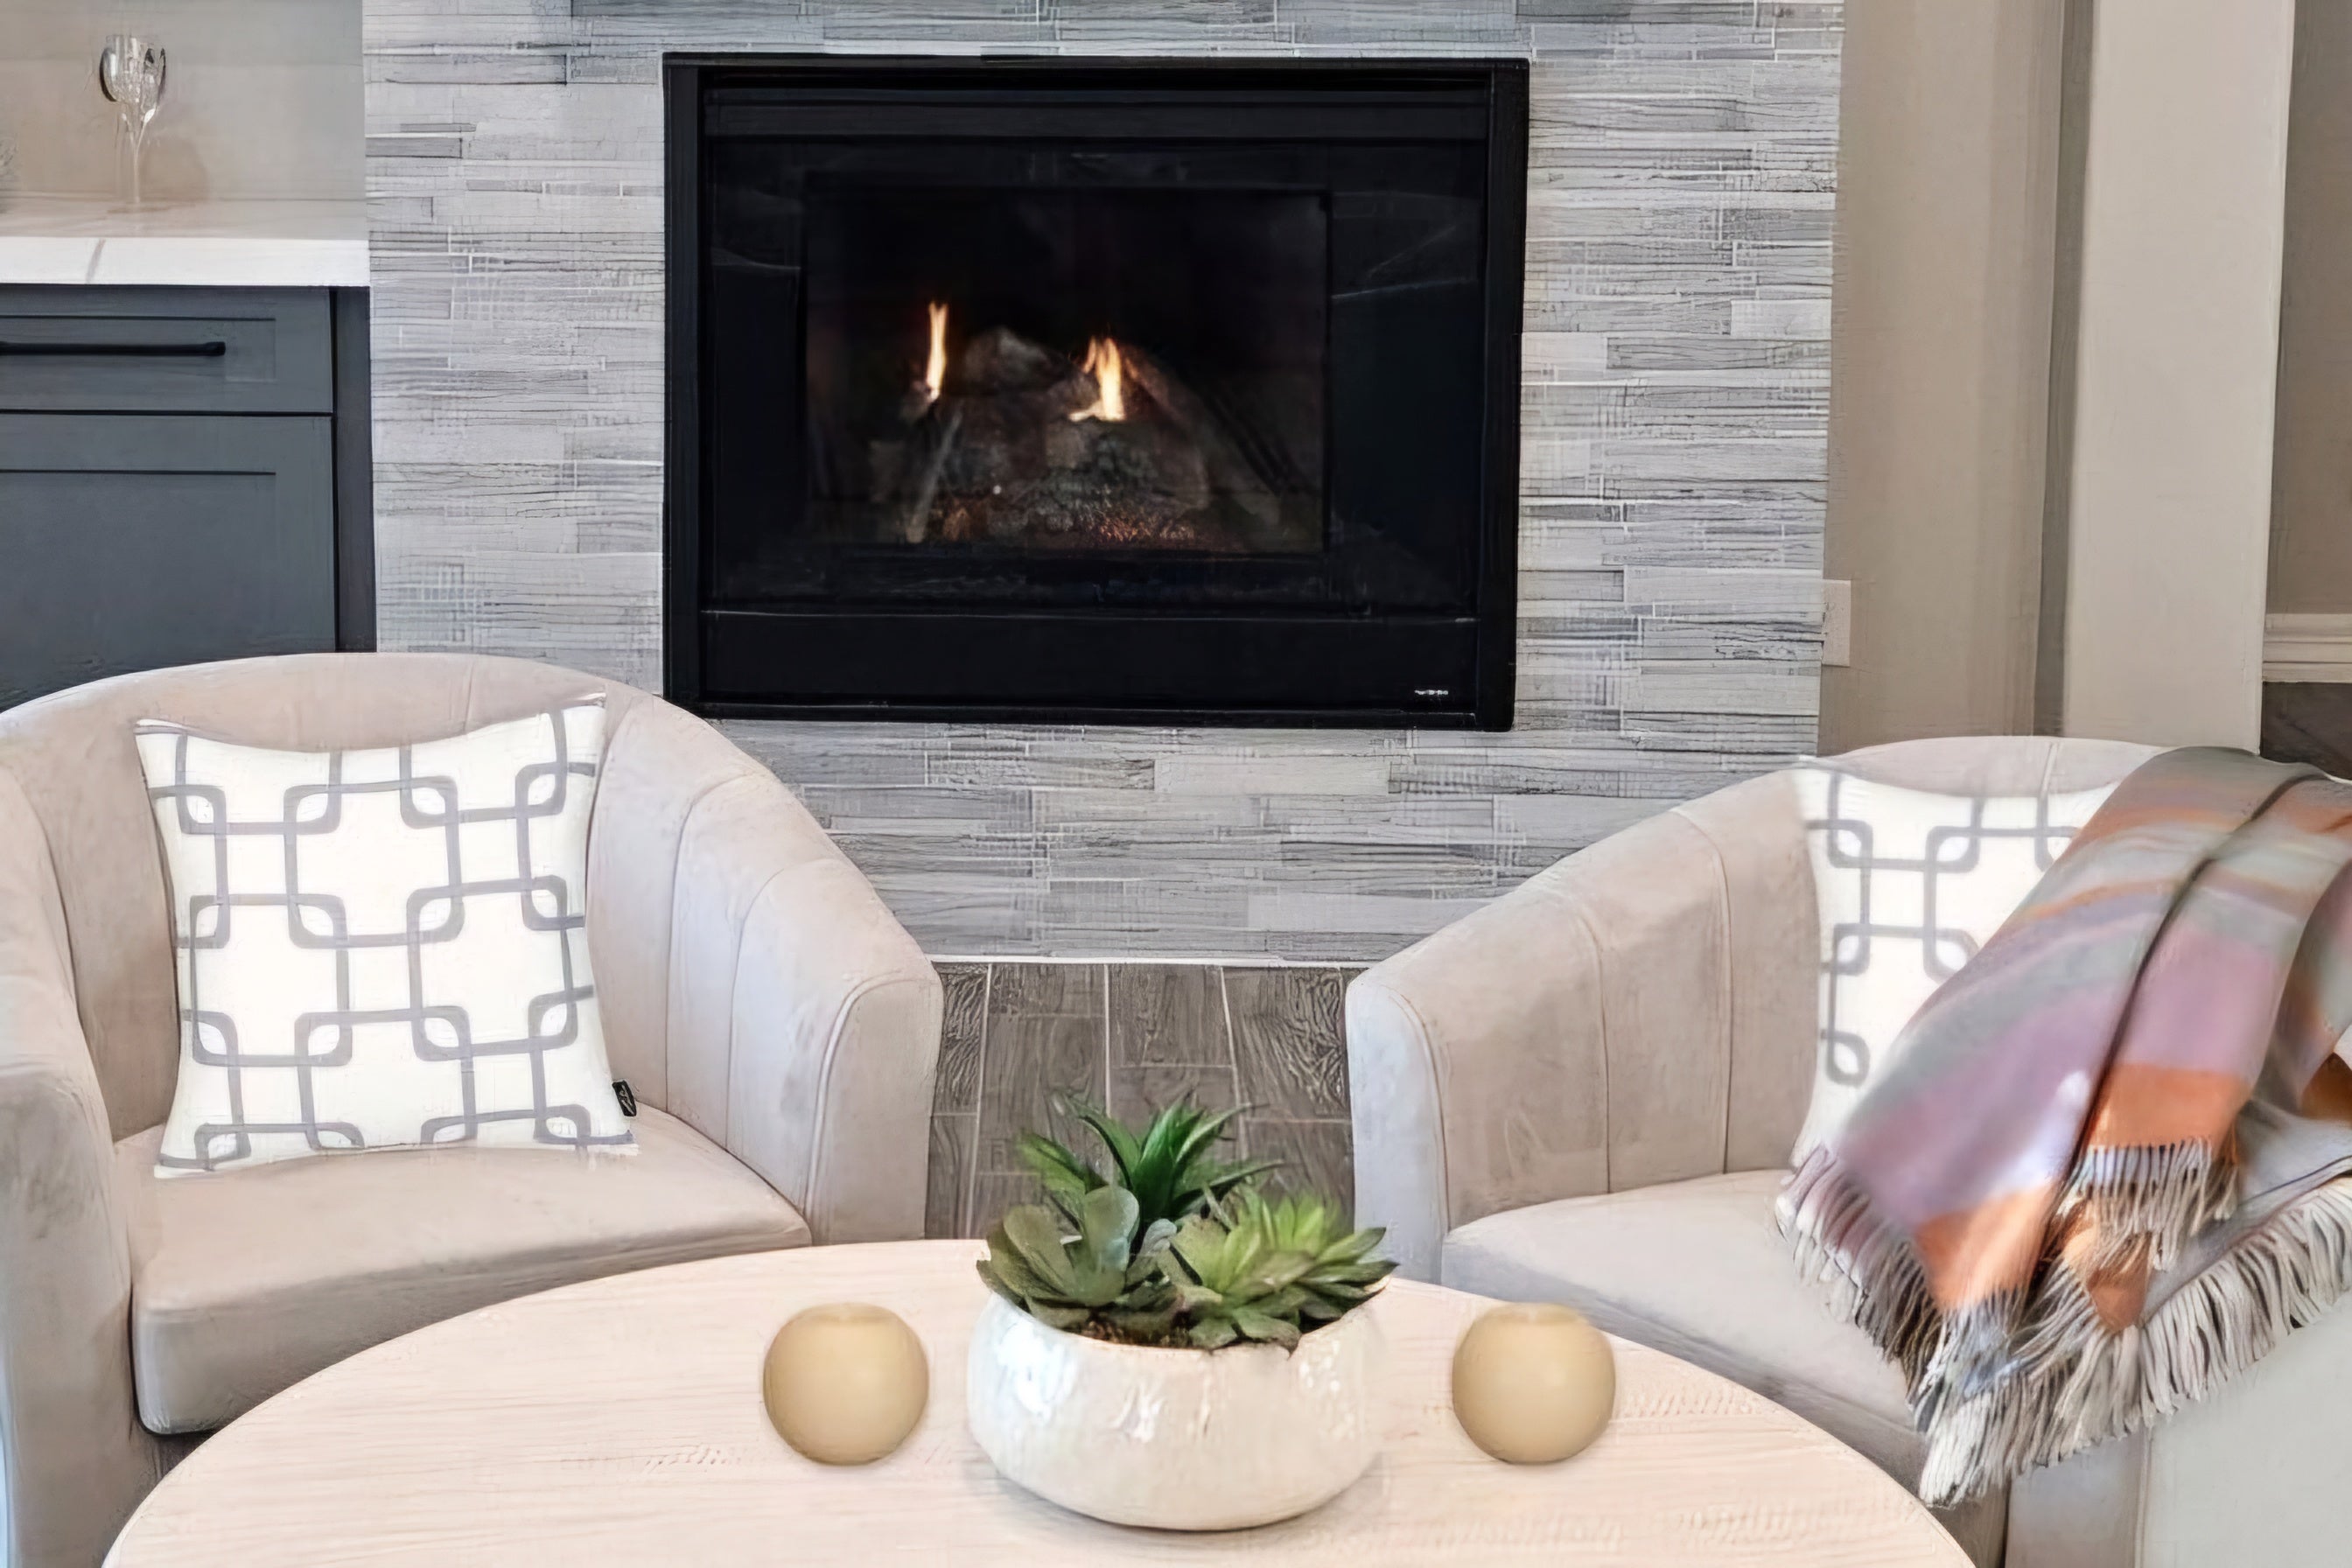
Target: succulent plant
[[1169, 1166], [1098, 1275], [1172, 1245], [1267, 1270]]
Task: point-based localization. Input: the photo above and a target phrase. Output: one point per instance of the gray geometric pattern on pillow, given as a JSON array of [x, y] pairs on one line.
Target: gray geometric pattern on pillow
[[316, 918], [1948, 851]]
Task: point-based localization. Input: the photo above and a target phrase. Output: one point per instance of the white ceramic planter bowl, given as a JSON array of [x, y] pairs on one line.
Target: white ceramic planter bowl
[[1175, 1439]]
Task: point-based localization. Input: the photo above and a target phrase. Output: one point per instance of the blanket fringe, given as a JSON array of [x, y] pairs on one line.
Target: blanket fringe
[[2158, 1197], [1872, 1272], [1997, 1396], [2072, 1384]]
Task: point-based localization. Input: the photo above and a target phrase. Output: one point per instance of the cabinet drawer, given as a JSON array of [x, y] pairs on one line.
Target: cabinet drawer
[[165, 351]]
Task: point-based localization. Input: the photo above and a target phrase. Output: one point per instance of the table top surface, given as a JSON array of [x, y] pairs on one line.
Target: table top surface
[[620, 1421]]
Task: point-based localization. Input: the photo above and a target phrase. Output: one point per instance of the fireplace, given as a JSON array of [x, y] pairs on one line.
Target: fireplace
[[1100, 391]]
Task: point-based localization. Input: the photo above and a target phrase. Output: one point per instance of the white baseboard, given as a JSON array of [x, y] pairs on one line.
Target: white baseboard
[[2307, 648]]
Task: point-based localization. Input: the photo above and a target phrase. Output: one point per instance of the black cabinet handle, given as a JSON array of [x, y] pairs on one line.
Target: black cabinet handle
[[212, 350]]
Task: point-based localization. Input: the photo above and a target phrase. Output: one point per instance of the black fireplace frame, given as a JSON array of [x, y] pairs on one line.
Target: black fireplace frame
[[1239, 647]]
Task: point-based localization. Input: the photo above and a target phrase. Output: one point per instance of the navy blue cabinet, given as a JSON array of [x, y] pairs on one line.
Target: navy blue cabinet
[[183, 477]]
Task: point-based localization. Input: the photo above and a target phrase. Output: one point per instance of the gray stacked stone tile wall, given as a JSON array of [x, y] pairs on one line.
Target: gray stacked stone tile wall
[[1675, 410]]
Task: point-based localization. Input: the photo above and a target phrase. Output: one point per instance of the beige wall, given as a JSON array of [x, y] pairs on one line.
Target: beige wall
[[1940, 363], [2127, 160], [263, 97], [2176, 357], [2311, 516]]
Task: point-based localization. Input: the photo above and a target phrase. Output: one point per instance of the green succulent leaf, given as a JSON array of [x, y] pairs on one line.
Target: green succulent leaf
[[1126, 1148], [1063, 1318], [1009, 1270], [1107, 1225], [989, 1277], [1035, 1232], [1257, 1325], [1213, 1333], [1065, 1178], [1169, 1164], [1196, 1299], [1168, 1244]]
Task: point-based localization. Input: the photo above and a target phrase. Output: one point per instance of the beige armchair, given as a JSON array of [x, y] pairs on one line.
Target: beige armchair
[[1587, 1093], [778, 1028]]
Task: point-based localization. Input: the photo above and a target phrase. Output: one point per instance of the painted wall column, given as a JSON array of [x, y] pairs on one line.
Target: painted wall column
[[2176, 354], [1940, 382]]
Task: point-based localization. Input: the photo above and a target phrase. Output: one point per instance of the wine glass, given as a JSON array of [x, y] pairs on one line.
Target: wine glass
[[130, 75]]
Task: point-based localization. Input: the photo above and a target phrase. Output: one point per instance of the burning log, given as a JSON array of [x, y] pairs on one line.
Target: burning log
[[937, 441], [1020, 444], [1226, 467], [1000, 362]]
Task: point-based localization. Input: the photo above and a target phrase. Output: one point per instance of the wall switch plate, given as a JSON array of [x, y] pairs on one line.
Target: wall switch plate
[[1837, 623]]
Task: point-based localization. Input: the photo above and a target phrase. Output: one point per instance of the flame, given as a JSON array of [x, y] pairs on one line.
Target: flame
[[935, 368], [1111, 381]]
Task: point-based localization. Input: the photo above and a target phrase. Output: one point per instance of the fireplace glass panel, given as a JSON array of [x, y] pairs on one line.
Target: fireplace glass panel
[[1299, 354], [1059, 370]]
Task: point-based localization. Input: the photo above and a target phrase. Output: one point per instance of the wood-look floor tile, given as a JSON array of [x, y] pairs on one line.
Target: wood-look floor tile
[[1288, 1044], [1024, 990], [950, 1184], [1164, 1012], [1018, 1034], [1137, 1092], [1045, 1042], [996, 1191], [1316, 1156], [961, 1032]]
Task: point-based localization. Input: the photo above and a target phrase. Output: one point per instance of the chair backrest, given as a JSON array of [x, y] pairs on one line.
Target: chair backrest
[[1772, 919], [71, 755]]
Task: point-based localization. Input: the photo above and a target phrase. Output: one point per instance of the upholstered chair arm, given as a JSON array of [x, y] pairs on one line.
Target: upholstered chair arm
[[826, 1011], [1576, 1035], [800, 1023], [76, 1459]]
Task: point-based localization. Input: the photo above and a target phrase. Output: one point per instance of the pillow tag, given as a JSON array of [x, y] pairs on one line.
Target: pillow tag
[[629, 1099]]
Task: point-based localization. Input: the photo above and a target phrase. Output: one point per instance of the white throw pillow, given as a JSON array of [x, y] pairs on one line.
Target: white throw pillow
[[1911, 884], [386, 947]]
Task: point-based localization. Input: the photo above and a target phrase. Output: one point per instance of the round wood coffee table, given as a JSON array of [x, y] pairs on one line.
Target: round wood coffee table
[[620, 1421]]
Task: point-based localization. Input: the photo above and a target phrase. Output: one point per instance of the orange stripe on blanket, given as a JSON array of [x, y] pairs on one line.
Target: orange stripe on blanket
[[2145, 1107], [2117, 1286], [1983, 1251], [2163, 811], [2328, 1096], [2042, 907]]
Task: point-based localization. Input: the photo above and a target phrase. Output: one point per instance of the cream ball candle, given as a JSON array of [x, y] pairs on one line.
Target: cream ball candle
[[1533, 1383], [845, 1384]]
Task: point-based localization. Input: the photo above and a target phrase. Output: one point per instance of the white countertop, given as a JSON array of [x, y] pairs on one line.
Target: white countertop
[[283, 244]]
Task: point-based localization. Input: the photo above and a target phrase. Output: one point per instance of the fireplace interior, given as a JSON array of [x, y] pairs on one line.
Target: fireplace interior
[[1094, 390]]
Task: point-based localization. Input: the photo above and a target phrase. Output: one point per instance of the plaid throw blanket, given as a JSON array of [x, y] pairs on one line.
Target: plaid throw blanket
[[2101, 1174]]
